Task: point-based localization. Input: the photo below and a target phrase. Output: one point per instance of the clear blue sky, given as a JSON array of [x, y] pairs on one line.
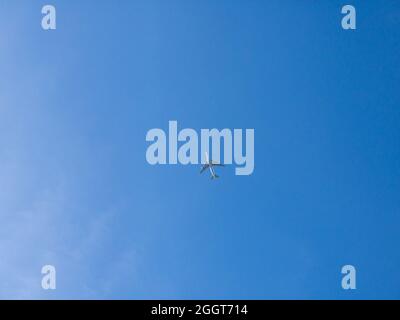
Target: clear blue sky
[[76, 190]]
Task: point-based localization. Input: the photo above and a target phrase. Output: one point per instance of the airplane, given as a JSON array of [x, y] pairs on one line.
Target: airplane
[[210, 165]]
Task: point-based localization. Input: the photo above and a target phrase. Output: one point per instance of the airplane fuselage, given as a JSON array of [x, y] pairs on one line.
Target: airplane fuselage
[[212, 171]]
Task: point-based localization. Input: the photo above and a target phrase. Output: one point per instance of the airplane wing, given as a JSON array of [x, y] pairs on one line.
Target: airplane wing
[[204, 168], [217, 164]]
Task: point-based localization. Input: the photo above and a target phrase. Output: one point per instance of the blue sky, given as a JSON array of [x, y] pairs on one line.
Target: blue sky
[[76, 190]]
